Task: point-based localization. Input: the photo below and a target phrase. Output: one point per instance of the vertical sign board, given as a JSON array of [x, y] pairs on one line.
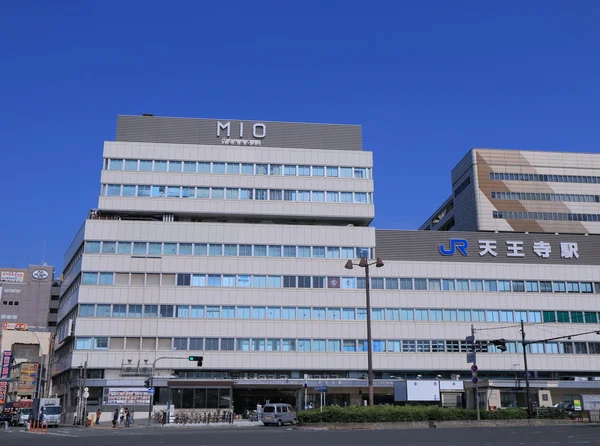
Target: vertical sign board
[[28, 375], [6, 361]]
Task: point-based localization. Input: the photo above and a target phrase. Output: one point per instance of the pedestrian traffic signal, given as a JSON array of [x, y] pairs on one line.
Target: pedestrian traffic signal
[[500, 344], [198, 359], [147, 383]]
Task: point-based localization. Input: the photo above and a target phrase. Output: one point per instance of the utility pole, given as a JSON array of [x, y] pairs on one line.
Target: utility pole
[[476, 385], [84, 400], [527, 396]]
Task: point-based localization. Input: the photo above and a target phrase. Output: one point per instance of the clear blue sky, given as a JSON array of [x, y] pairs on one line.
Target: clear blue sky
[[427, 80]]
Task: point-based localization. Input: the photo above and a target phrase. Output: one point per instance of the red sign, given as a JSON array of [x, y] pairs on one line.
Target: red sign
[[14, 326]]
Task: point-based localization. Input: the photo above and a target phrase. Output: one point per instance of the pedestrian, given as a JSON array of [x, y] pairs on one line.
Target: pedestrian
[[127, 418], [115, 418], [98, 413]]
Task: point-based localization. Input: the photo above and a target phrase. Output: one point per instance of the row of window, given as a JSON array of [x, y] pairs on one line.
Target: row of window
[[236, 168], [543, 177], [376, 283], [560, 216], [8, 316], [226, 249], [326, 345], [235, 193], [535, 196], [138, 311]]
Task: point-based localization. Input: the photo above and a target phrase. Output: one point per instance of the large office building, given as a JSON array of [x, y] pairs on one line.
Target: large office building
[[228, 239], [522, 191], [29, 296]]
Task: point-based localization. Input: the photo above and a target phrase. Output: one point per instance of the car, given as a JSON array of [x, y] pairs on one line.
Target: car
[[5, 416], [279, 414]]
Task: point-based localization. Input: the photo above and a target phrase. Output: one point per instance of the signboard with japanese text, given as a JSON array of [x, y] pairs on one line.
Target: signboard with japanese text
[[14, 326], [127, 396], [28, 375], [5, 373], [12, 276], [488, 247]]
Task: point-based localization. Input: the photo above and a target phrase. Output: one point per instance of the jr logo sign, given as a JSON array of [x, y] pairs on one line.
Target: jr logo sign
[[455, 244]]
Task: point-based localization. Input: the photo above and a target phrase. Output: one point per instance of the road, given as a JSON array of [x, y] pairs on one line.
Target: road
[[259, 436]]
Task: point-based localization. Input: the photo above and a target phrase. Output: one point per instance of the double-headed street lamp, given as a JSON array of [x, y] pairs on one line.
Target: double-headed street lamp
[[364, 263]]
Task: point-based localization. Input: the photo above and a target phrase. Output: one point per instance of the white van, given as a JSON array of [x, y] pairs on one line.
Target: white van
[[279, 414]]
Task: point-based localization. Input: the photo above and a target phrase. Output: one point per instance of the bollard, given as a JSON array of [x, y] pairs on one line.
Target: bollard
[[46, 428], [6, 425]]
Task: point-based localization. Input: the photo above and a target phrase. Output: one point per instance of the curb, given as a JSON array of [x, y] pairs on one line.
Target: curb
[[437, 424]]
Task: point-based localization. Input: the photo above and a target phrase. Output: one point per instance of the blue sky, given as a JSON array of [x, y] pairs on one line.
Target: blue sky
[[427, 80]]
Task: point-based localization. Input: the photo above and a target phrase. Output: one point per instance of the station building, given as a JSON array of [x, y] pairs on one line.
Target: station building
[[227, 240]]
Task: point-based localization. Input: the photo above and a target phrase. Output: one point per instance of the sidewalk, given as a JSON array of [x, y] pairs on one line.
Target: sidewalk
[[143, 424]]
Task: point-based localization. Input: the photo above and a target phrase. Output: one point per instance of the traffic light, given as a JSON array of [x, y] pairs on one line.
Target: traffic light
[[500, 344], [198, 359], [147, 383]]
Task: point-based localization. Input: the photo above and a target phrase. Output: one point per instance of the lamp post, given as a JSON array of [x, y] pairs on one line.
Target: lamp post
[[364, 263]]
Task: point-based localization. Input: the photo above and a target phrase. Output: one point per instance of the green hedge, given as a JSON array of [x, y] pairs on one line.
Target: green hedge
[[382, 414]]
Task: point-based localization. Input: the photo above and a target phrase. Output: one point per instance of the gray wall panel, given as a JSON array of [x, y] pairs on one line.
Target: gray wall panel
[[154, 129], [425, 246]]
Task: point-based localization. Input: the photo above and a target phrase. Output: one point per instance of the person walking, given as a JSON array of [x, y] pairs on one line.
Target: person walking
[[127, 418], [115, 418], [98, 413]]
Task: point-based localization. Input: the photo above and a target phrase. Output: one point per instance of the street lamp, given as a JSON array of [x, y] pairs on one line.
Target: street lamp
[[38, 386], [364, 263]]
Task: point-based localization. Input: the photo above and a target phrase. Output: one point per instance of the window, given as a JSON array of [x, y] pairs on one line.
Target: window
[[233, 168], [274, 250], [260, 194], [303, 281], [304, 171], [504, 286], [228, 312], [289, 313], [218, 167], [115, 164], [260, 250], [258, 345], [160, 166], [304, 313], [150, 310], [119, 310], [434, 285], [135, 311], [572, 287], [145, 165], [189, 166], [103, 310], [377, 283], [303, 251], [559, 287], [318, 314], [407, 315], [197, 312], [448, 284], [464, 315], [288, 345], [349, 314], [144, 191], [166, 311], [332, 197], [334, 314], [289, 281], [304, 345], [562, 317], [506, 316], [289, 251], [318, 252], [476, 285], [273, 313], [243, 345], [289, 170], [462, 285], [211, 344], [332, 171], [273, 345], [89, 279], [154, 249], [545, 286], [409, 346], [479, 315], [83, 344], [421, 315], [275, 194], [289, 195], [319, 345], [420, 284], [170, 249], [518, 286], [576, 317], [259, 281], [124, 248], [346, 172], [259, 313], [435, 315], [492, 316], [334, 345], [262, 169], [491, 286], [248, 168], [180, 344], [406, 284], [531, 287], [450, 315], [213, 312], [227, 344], [346, 197], [243, 312], [87, 310]]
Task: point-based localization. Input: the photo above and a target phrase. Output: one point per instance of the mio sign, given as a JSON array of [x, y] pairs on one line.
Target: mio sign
[[259, 131]]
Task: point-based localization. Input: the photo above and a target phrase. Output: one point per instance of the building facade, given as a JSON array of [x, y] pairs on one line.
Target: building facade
[[29, 296], [522, 191], [227, 240]]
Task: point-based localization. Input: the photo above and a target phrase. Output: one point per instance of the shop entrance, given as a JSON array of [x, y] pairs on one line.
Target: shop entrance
[[245, 400]]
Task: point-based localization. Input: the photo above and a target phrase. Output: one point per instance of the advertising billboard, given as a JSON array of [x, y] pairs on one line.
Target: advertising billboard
[[28, 375], [131, 396], [5, 373]]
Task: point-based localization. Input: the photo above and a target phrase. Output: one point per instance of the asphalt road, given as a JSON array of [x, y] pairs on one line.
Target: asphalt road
[[259, 436]]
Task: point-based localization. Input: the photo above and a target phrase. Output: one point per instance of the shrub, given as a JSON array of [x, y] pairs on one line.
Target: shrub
[[388, 414]]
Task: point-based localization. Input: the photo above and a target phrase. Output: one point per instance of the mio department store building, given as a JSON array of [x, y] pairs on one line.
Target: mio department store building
[[227, 240]]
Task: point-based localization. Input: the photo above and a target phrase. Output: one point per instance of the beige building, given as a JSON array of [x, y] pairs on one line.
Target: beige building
[[522, 191]]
